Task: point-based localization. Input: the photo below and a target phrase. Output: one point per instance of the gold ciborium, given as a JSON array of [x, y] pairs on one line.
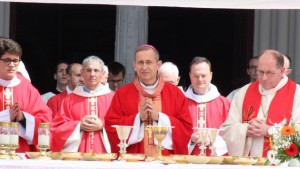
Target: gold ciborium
[[159, 133], [43, 141], [14, 141], [123, 134], [4, 139]]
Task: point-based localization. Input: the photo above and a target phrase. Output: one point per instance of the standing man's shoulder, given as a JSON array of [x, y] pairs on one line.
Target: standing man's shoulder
[[224, 99], [172, 90]]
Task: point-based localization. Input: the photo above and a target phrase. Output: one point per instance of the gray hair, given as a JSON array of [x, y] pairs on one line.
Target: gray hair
[[105, 68], [169, 67], [92, 58]]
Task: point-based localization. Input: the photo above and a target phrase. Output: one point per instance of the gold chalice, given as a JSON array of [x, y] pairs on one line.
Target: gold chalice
[[123, 134], [159, 133], [203, 133]]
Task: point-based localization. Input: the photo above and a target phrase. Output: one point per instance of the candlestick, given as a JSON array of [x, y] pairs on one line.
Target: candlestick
[[4, 139], [43, 141], [14, 140]]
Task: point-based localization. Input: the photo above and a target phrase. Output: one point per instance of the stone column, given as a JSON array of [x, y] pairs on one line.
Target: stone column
[[296, 47], [4, 18], [131, 31], [279, 30]]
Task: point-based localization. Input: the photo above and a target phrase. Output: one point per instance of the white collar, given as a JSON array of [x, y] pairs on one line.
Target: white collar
[[69, 91], [210, 95], [149, 89], [85, 92], [10, 83], [281, 83]]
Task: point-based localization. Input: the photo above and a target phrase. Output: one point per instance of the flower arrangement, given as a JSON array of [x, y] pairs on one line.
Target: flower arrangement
[[285, 143]]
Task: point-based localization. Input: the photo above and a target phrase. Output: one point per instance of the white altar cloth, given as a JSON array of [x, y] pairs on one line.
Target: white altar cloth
[[59, 164]]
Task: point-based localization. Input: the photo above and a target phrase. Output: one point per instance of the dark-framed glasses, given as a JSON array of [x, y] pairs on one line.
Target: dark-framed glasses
[[8, 61], [115, 81]]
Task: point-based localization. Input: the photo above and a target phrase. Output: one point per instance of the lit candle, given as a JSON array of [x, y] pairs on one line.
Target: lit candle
[[14, 133], [4, 133], [44, 134], [43, 140]]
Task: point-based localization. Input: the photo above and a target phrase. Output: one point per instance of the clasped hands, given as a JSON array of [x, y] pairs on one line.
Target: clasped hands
[[148, 109], [15, 113], [195, 138], [90, 123], [257, 128]]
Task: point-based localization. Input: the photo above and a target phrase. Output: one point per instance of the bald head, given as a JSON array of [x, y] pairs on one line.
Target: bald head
[[270, 69]]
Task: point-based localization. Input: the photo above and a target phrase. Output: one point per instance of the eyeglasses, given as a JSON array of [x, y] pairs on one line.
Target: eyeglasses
[[8, 61], [115, 81], [268, 74], [147, 62]]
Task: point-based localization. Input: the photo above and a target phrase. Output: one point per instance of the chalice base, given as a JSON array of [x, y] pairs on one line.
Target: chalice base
[[43, 153], [42, 157], [13, 155], [3, 154], [160, 158]]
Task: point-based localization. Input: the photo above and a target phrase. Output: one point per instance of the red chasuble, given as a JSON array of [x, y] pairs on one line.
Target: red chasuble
[[280, 107], [124, 108], [211, 114], [73, 109], [30, 102], [54, 102]]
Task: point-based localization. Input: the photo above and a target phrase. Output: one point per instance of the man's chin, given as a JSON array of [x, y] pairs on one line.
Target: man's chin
[[9, 77]]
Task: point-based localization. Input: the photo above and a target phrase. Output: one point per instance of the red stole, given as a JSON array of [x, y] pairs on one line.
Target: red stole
[[149, 147], [156, 97], [280, 107]]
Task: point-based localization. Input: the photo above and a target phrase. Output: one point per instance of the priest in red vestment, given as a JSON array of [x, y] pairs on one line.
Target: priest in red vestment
[[74, 78], [207, 107], [258, 106], [20, 101], [149, 100], [79, 124]]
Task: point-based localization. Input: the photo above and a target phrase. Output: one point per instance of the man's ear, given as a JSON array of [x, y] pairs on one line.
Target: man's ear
[[178, 79], [68, 77], [288, 71], [159, 63], [55, 76]]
